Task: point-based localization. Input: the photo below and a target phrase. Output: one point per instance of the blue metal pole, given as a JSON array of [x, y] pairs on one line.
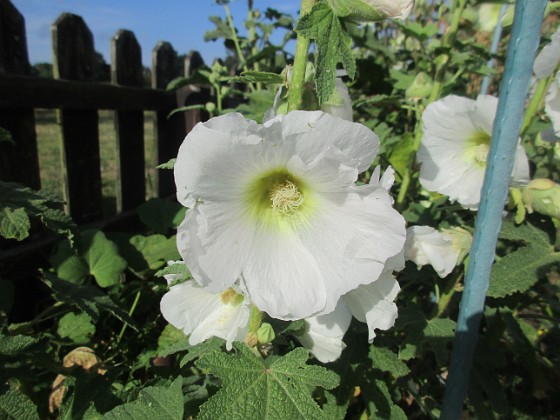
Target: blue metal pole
[[513, 93]]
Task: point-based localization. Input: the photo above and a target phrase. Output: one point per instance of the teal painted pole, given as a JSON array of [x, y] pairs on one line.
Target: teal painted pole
[[513, 93]]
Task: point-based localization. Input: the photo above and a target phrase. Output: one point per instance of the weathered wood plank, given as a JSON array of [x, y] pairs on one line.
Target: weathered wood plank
[[19, 162], [169, 132], [74, 59], [201, 94], [126, 69], [24, 92]]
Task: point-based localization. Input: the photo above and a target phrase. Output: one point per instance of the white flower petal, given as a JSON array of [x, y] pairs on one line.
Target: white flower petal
[[313, 132], [324, 333], [341, 104], [549, 57], [373, 303], [203, 315], [552, 104]]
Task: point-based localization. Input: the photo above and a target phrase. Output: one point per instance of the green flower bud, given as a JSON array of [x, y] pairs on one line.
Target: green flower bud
[[543, 196], [421, 87], [210, 107], [371, 10], [265, 333]]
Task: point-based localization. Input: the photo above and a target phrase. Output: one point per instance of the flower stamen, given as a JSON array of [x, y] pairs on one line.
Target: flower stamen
[[481, 153], [285, 197]]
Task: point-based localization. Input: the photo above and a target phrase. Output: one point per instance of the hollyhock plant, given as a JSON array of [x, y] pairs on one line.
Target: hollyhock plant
[[455, 145], [275, 208]]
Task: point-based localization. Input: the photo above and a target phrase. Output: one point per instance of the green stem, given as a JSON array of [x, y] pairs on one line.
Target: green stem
[[447, 294], [253, 38], [236, 42], [448, 40], [295, 92], [132, 308], [536, 103]]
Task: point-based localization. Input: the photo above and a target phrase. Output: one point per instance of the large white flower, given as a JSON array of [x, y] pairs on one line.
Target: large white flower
[[454, 148], [275, 207], [202, 315]]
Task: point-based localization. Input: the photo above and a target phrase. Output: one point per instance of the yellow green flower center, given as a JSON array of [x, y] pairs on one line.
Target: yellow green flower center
[[278, 199], [478, 146]]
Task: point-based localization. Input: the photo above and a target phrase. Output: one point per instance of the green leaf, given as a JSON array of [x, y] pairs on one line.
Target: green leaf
[[526, 233], [179, 270], [386, 361], [14, 223], [258, 77], [161, 215], [88, 299], [333, 47], [16, 345], [252, 388], [153, 403], [16, 405], [102, 257], [156, 250], [170, 164], [519, 270], [77, 328], [68, 265], [6, 136], [199, 350]]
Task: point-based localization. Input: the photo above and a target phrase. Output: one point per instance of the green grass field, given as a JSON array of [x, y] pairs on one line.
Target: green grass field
[[50, 157]]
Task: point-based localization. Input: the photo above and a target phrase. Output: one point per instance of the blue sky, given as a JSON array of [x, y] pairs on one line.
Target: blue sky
[[181, 22]]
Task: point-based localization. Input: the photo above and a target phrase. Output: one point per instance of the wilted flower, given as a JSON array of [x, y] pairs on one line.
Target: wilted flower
[[455, 145], [202, 315], [275, 208], [372, 10], [442, 250]]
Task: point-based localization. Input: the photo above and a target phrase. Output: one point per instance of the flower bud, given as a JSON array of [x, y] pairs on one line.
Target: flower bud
[[461, 241], [542, 195], [265, 333], [372, 10]]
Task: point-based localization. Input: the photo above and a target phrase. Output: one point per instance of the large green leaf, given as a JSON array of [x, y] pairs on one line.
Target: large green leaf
[[14, 223], [333, 47], [76, 327], [253, 388], [385, 360], [102, 257], [16, 405], [15, 345], [153, 403]]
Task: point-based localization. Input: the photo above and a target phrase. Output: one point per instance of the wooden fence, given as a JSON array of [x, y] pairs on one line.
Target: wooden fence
[[78, 99]]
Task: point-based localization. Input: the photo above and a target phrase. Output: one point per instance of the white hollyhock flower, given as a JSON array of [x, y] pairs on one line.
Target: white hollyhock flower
[[455, 145], [548, 59], [442, 250], [275, 207], [202, 315]]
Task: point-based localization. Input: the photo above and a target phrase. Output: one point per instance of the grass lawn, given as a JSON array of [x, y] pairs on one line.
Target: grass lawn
[[50, 158]]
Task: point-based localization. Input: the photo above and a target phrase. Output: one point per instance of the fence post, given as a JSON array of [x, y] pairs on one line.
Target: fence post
[[193, 61], [19, 162], [509, 117], [73, 59], [169, 133], [126, 69]]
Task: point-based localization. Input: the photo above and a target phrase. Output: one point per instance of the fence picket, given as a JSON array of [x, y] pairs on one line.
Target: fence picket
[[169, 132], [74, 59], [19, 162], [126, 69]]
